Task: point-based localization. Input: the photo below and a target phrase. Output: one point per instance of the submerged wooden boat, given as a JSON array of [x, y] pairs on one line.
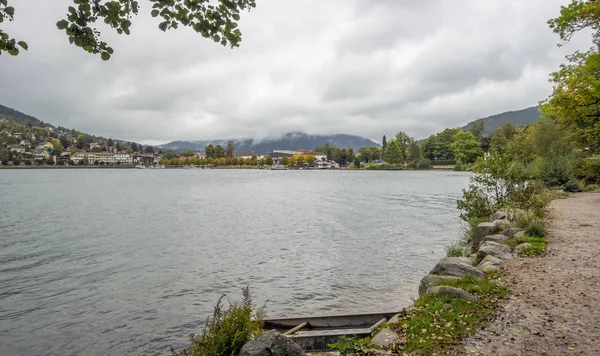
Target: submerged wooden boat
[[314, 333]]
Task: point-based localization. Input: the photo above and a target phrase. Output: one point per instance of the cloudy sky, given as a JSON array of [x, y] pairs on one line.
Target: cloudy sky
[[366, 67]]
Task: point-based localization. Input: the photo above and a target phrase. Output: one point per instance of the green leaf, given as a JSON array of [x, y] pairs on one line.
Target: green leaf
[[3, 2], [105, 56], [163, 25], [236, 17], [13, 51], [88, 48], [62, 24], [10, 10], [216, 38], [155, 13], [23, 45]]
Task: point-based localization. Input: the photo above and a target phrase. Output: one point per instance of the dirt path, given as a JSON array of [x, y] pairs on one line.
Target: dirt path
[[555, 303]]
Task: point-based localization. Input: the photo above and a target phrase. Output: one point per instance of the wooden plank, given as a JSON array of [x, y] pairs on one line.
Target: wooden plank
[[291, 331]]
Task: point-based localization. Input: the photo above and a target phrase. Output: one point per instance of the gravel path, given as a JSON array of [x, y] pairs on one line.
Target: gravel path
[[554, 307]]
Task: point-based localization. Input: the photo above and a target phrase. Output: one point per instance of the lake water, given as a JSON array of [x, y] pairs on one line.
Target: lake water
[[130, 262]]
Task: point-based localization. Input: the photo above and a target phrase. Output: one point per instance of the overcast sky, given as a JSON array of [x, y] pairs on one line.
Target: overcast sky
[[366, 67]]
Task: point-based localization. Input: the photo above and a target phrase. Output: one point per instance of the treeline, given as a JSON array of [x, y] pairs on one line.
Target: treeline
[[223, 161]]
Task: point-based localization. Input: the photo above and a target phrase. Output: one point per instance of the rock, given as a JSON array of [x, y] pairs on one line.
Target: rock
[[501, 224], [457, 267], [492, 260], [482, 230], [519, 234], [499, 215], [467, 250], [395, 319], [520, 247], [385, 338], [488, 267], [495, 249], [499, 238], [473, 258], [442, 291], [271, 343], [511, 231], [431, 280]]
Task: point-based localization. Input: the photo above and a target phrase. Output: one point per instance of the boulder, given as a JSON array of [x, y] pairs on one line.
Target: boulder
[[467, 250], [482, 230], [495, 249], [499, 215], [385, 338], [499, 238], [271, 343], [492, 260], [431, 280], [488, 267], [511, 232], [520, 247], [447, 291], [457, 267], [501, 224], [519, 234]]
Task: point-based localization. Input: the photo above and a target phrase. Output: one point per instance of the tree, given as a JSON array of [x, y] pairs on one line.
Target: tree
[[310, 160], [404, 141], [16, 162], [50, 162], [300, 160], [219, 151], [188, 153], [356, 162], [466, 147], [285, 161], [248, 161], [57, 148], [169, 155], [210, 161], [414, 152], [134, 146], [269, 160], [119, 148], [149, 149], [81, 141], [501, 136], [292, 161], [81, 162], [230, 150], [98, 149], [210, 151], [477, 129], [383, 145], [86, 160], [110, 142], [393, 153], [27, 162], [216, 20], [64, 140], [262, 161]]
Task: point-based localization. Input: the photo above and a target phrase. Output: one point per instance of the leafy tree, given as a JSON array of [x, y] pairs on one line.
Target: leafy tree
[[404, 141], [210, 161], [219, 151], [86, 160], [520, 147], [300, 161], [310, 160], [64, 140], [57, 148], [368, 154], [170, 155], [81, 141], [50, 162], [215, 20], [234, 161], [393, 153], [16, 162], [110, 142], [262, 161], [149, 149], [285, 160], [477, 129], [119, 148], [356, 162], [129, 150], [230, 150], [548, 139], [5, 162], [210, 151], [27, 162], [501, 136], [466, 147], [98, 149], [414, 152], [188, 153], [269, 160], [292, 161], [248, 161], [134, 146]]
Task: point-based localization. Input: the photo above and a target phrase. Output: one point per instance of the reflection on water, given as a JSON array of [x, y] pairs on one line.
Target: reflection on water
[[114, 262]]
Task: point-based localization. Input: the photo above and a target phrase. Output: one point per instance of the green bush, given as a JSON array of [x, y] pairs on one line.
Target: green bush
[[454, 250], [443, 162], [229, 329], [554, 171], [587, 170], [423, 163], [571, 186], [535, 229]]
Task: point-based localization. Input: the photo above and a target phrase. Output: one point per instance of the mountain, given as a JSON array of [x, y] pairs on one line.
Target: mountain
[[289, 141], [18, 117], [517, 118]]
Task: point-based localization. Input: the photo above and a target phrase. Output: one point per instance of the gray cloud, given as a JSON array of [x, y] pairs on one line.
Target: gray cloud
[[341, 66]]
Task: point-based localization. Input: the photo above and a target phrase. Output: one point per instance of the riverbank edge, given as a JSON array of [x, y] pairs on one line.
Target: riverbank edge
[[435, 168]]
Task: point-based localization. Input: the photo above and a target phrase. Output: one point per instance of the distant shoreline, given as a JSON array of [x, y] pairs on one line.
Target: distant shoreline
[[434, 168]]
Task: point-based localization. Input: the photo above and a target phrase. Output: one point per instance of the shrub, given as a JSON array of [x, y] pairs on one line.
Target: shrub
[[535, 229], [454, 250], [71, 162], [16, 162], [525, 217], [39, 162], [352, 346], [229, 329], [571, 186], [538, 245], [554, 171], [81, 162], [443, 162], [5, 162], [423, 163], [50, 162], [587, 170], [27, 162]]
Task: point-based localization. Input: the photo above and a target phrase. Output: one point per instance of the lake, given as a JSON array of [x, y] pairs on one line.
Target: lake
[[130, 262]]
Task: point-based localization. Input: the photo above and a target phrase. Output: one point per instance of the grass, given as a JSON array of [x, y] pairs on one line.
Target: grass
[[538, 245], [535, 229], [454, 250], [229, 329], [437, 324]]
